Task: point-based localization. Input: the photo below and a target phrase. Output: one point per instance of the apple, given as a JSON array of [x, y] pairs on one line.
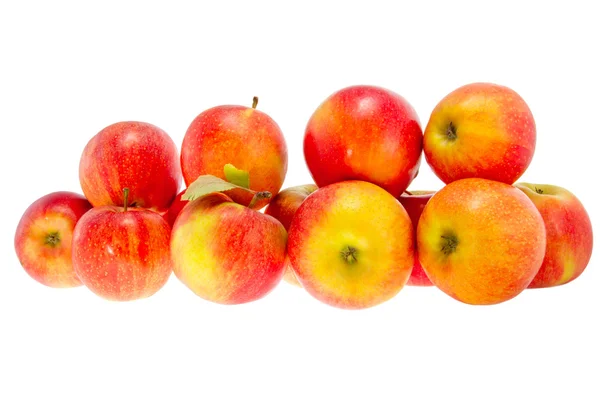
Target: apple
[[364, 133], [122, 253], [225, 252], [480, 130], [569, 238], [241, 136], [351, 245], [481, 241], [414, 202], [135, 155], [175, 208], [44, 235], [283, 207]]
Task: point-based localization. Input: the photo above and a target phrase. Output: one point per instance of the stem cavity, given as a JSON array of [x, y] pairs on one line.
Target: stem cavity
[[349, 254], [449, 243], [451, 132]]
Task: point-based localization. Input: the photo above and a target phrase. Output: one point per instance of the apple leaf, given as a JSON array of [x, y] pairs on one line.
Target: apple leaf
[[236, 176], [206, 184]]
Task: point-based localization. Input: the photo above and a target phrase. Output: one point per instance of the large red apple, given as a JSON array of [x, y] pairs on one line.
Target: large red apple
[[225, 252], [364, 133], [414, 202], [122, 253], [351, 245], [283, 207], [44, 235], [569, 238], [135, 155], [242, 136], [481, 130], [481, 241]]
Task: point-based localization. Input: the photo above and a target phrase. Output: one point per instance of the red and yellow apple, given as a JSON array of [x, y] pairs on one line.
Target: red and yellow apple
[[122, 253], [480, 130], [44, 236], [135, 155], [283, 207], [569, 238], [414, 202], [225, 252], [364, 133], [481, 241], [351, 245], [242, 136]]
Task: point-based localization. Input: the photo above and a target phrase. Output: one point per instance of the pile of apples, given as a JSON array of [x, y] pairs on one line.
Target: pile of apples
[[353, 240]]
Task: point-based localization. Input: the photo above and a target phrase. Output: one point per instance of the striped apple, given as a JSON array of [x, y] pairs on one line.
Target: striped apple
[[122, 253], [134, 155]]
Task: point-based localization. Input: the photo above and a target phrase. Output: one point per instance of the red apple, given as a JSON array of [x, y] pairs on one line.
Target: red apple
[[480, 130], [481, 241], [122, 253], [414, 202], [364, 133], [175, 208], [44, 235], [242, 136], [225, 252], [283, 207], [569, 238], [351, 245], [135, 155]]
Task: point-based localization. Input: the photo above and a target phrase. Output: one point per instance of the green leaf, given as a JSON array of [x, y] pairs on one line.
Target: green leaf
[[236, 176], [206, 184]]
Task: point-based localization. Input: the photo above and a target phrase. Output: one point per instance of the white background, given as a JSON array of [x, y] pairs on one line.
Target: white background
[[67, 70]]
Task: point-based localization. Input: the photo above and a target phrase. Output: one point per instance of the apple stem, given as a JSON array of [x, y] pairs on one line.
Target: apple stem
[[125, 198], [408, 193], [254, 102], [349, 254], [259, 196]]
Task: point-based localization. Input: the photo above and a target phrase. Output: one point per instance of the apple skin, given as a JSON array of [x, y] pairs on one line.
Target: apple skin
[[364, 133], [175, 208], [225, 252], [414, 203], [569, 237], [242, 136], [283, 207], [351, 245], [122, 255], [135, 155], [44, 236], [481, 241], [480, 130]]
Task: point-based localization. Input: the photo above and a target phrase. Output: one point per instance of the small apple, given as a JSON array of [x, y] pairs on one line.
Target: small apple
[[481, 241], [569, 238], [242, 136], [44, 235], [414, 202], [136, 155], [351, 245], [364, 133], [225, 252], [480, 130], [122, 253], [283, 207]]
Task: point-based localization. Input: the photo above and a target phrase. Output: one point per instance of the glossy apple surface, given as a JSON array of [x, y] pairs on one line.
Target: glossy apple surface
[[242, 136], [414, 203], [569, 237], [480, 130], [481, 241], [122, 254], [364, 133], [351, 245], [283, 207], [134, 155], [44, 236], [225, 252]]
